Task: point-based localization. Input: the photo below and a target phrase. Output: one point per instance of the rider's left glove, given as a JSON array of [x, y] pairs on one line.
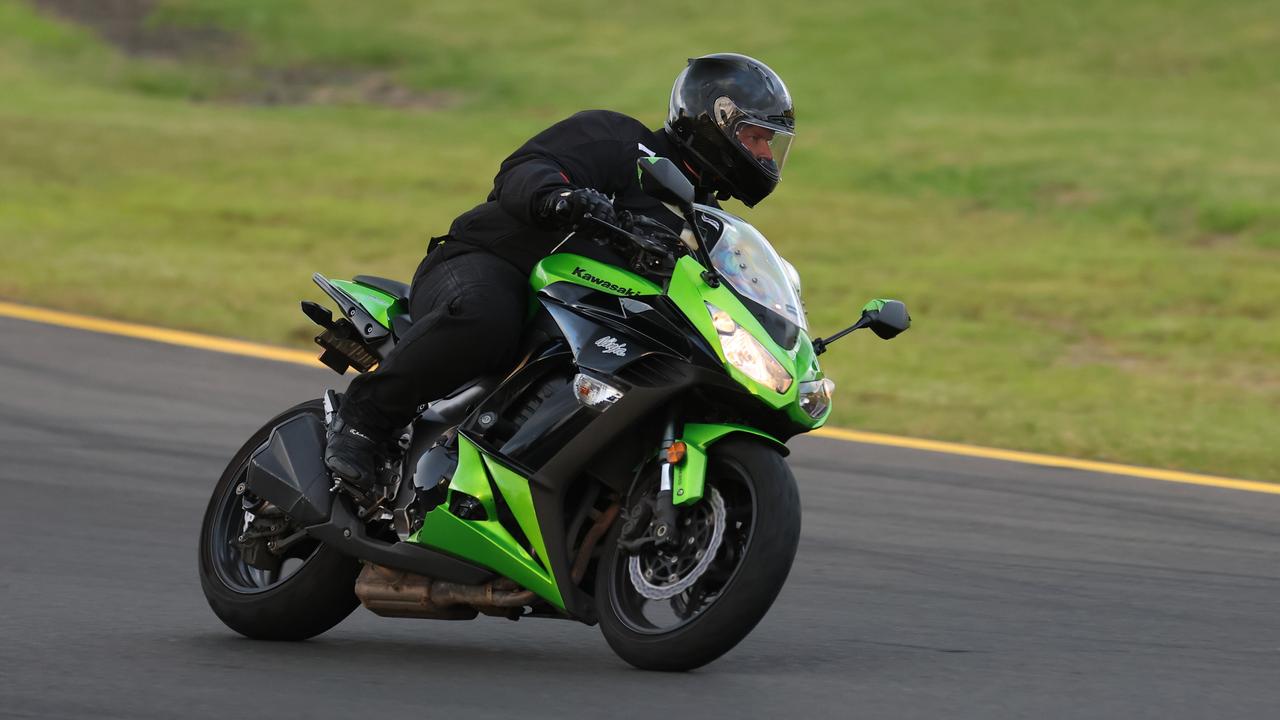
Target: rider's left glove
[[567, 209]]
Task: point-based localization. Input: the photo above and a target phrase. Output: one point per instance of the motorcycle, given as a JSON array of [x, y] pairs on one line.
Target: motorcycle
[[628, 472]]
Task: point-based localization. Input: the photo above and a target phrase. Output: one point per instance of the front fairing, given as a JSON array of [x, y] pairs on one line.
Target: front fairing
[[691, 294], [759, 293]]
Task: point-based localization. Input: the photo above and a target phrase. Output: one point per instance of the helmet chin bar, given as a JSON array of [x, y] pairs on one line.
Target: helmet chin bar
[[708, 179]]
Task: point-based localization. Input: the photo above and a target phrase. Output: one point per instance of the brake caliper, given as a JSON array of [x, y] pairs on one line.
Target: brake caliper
[[264, 523]]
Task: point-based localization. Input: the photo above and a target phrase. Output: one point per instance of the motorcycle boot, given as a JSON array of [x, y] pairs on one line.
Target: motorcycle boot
[[353, 453]]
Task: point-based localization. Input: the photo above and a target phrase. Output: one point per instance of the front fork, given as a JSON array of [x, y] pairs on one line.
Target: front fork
[[682, 479], [665, 530]]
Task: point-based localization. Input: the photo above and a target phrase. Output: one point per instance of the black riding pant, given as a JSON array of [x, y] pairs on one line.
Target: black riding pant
[[468, 309]]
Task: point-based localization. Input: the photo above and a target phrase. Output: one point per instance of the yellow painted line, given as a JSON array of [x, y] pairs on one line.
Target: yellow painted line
[[950, 448], [270, 352], [171, 337]]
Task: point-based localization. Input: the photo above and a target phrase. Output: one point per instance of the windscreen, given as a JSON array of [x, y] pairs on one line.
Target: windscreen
[[752, 267]]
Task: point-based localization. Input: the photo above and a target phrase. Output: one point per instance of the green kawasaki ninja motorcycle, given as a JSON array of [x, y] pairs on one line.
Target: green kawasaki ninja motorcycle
[[629, 471]]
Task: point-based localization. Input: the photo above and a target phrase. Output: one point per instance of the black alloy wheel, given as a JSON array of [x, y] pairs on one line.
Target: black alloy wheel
[[674, 609]]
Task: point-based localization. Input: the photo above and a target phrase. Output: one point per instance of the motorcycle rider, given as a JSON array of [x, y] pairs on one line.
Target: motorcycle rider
[[729, 126]]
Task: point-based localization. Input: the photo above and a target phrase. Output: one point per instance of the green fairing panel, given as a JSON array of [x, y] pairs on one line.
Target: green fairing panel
[[380, 305], [691, 473], [807, 360], [487, 542], [691, 294], [567, 267], [515, 489]]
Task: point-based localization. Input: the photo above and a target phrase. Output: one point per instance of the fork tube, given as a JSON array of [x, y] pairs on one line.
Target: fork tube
[[664, 523]]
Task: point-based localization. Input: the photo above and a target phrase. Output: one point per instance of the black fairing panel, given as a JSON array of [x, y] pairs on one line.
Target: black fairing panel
[[548, 504], [637, 325], [534, 418], [598, 345], [559, 415], [289, 471]]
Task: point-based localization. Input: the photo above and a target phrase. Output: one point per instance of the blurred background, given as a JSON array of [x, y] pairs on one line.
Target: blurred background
[[1080, 202]]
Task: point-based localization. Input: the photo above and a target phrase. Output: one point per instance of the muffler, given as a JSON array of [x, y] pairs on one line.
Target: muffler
[[396, 593]]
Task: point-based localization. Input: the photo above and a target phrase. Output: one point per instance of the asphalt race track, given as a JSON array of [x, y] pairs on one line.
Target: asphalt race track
[[927, 585]]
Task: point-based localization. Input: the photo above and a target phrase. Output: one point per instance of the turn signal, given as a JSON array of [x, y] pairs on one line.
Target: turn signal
[[815, 397], [594, 393]]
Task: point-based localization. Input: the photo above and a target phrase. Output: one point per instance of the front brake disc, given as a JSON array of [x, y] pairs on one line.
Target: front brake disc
[[642, 565]]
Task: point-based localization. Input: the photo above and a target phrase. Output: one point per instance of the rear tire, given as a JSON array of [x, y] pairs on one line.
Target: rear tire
[[745, 472], [311, 599]]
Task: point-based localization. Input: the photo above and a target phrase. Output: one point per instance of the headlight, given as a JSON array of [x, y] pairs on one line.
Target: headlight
[[746, 353], [815, 397]]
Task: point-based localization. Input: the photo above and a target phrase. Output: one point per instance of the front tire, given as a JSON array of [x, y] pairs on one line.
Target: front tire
[[762, 508], [313, 590]]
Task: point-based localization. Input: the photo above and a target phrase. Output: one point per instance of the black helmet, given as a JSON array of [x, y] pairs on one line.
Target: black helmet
[[734, 119]]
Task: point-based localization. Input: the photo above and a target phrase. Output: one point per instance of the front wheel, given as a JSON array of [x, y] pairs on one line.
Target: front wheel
[[680, 609], [307, 589]]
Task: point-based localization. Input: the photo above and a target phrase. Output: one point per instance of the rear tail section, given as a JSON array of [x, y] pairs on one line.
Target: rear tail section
[[375, 311]]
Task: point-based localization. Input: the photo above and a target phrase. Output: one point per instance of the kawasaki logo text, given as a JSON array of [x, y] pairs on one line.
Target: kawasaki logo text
[[579, 272]]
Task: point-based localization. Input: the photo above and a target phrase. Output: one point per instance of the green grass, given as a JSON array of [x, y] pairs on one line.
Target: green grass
[[1080, 202]]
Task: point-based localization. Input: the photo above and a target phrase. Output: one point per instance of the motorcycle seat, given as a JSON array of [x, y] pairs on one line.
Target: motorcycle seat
[[394, 288], [400, 324]]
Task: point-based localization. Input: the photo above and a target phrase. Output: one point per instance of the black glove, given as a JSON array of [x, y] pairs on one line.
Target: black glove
[[565, 209]]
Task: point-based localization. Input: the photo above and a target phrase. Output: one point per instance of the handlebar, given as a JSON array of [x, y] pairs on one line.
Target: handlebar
[[655, 253], [646, 243]]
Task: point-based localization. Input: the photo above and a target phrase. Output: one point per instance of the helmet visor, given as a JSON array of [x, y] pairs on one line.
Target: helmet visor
[[766, 145]]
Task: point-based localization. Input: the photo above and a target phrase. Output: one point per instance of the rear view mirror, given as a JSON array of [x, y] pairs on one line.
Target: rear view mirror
[[886, 318], [661, 179]]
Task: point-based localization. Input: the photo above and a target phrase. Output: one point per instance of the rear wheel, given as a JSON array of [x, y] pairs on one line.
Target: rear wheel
[[308, 591], [680, 609]]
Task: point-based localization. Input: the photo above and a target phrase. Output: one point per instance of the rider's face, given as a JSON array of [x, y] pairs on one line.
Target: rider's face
[[756, 140]]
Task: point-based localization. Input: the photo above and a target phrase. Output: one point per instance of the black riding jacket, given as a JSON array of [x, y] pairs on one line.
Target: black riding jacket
[[592, 149]]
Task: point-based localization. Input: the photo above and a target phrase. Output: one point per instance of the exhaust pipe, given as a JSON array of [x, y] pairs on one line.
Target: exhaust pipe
[[396, 593]]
